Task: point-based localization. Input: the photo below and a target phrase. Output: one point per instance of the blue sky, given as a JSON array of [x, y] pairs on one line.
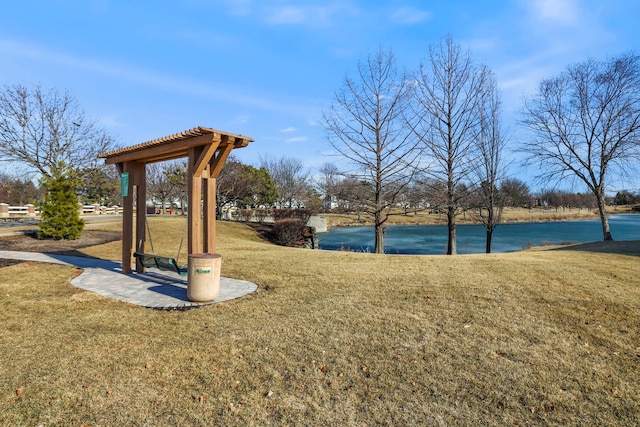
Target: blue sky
[[267, 68]]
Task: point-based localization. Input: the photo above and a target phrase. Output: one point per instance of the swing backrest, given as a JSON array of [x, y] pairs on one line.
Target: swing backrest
[[158, 261]]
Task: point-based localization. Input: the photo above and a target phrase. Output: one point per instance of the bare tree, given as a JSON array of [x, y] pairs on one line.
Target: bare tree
[[490, 171], [329, 183], [365, 125], [355, 195], [159, 187], [177, 175], [291, 179], [451, 93], [47, 131], [585, 123], [232, 186]]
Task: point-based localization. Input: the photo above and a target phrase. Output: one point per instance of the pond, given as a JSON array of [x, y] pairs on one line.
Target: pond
[[432, 239]]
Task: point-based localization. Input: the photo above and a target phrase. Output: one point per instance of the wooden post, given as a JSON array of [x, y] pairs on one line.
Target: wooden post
[[212, 171], [127, 220], [209, 220], [194, 184], [140, 181]]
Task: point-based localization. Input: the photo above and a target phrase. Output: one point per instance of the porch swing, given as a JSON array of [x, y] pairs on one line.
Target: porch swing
[[163, 263]]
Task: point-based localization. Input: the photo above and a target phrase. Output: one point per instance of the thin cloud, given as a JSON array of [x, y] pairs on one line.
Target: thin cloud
[[311, 15], [559, 32], [288, 129], [204, 38], [289, 12], [241, 119], [410, 16], [237, 95], [297, 139], [559, 12], [520, 78], [287, 15]]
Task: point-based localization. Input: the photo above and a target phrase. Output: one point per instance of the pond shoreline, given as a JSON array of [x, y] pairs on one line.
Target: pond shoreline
[[519, 217], [431, 239]]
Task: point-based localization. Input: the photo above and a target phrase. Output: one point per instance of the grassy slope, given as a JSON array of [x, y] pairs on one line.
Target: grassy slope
[[334, 338]]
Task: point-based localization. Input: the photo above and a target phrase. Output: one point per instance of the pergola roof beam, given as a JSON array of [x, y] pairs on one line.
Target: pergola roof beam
[[174, 146]]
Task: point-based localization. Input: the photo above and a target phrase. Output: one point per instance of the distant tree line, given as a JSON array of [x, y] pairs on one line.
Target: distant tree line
[[246, 186], [19, 191], [420, 197], [626, 197], [100, 186], [281, 183]]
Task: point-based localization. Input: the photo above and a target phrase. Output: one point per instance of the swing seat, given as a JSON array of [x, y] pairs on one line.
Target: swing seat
[[160, 262]]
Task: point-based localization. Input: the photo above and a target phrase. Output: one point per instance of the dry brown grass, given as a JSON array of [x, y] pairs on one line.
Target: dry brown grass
[[509, 215], [543, 337]]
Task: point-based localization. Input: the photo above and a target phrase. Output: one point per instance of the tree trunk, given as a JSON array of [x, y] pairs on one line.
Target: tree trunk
[[451, 224], [606, 231], [379, 223], [379, 244], [488, 243], [489, 227]]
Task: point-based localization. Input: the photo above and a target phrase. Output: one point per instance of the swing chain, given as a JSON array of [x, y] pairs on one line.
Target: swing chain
[[184, 230]]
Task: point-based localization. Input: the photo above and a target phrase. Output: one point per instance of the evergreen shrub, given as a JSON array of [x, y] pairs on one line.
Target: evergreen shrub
[[59, 211]]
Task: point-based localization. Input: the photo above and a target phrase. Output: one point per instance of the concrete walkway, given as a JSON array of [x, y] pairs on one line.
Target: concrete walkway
[[153, 289]]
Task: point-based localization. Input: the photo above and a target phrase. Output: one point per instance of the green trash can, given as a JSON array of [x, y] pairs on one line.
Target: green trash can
[[203, 277]]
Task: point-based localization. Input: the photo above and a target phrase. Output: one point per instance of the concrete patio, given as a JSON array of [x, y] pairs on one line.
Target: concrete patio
[[153, 289]]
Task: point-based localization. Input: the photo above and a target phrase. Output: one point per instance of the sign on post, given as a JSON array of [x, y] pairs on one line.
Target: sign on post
[[124, 184]]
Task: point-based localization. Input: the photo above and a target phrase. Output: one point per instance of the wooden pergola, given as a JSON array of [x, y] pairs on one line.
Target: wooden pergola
[[207, 150]]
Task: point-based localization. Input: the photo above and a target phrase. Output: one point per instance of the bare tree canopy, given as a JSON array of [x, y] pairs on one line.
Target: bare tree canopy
[[47, 131], [329, 179], [490, 170], [451, 92], [167, 183], [366, 125], [585, 123], [291, 179]]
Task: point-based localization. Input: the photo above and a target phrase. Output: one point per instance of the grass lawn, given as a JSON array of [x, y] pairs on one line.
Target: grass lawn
[[539, 337]]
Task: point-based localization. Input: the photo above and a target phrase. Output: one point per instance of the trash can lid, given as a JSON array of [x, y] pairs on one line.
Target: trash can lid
[[205, 256]]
